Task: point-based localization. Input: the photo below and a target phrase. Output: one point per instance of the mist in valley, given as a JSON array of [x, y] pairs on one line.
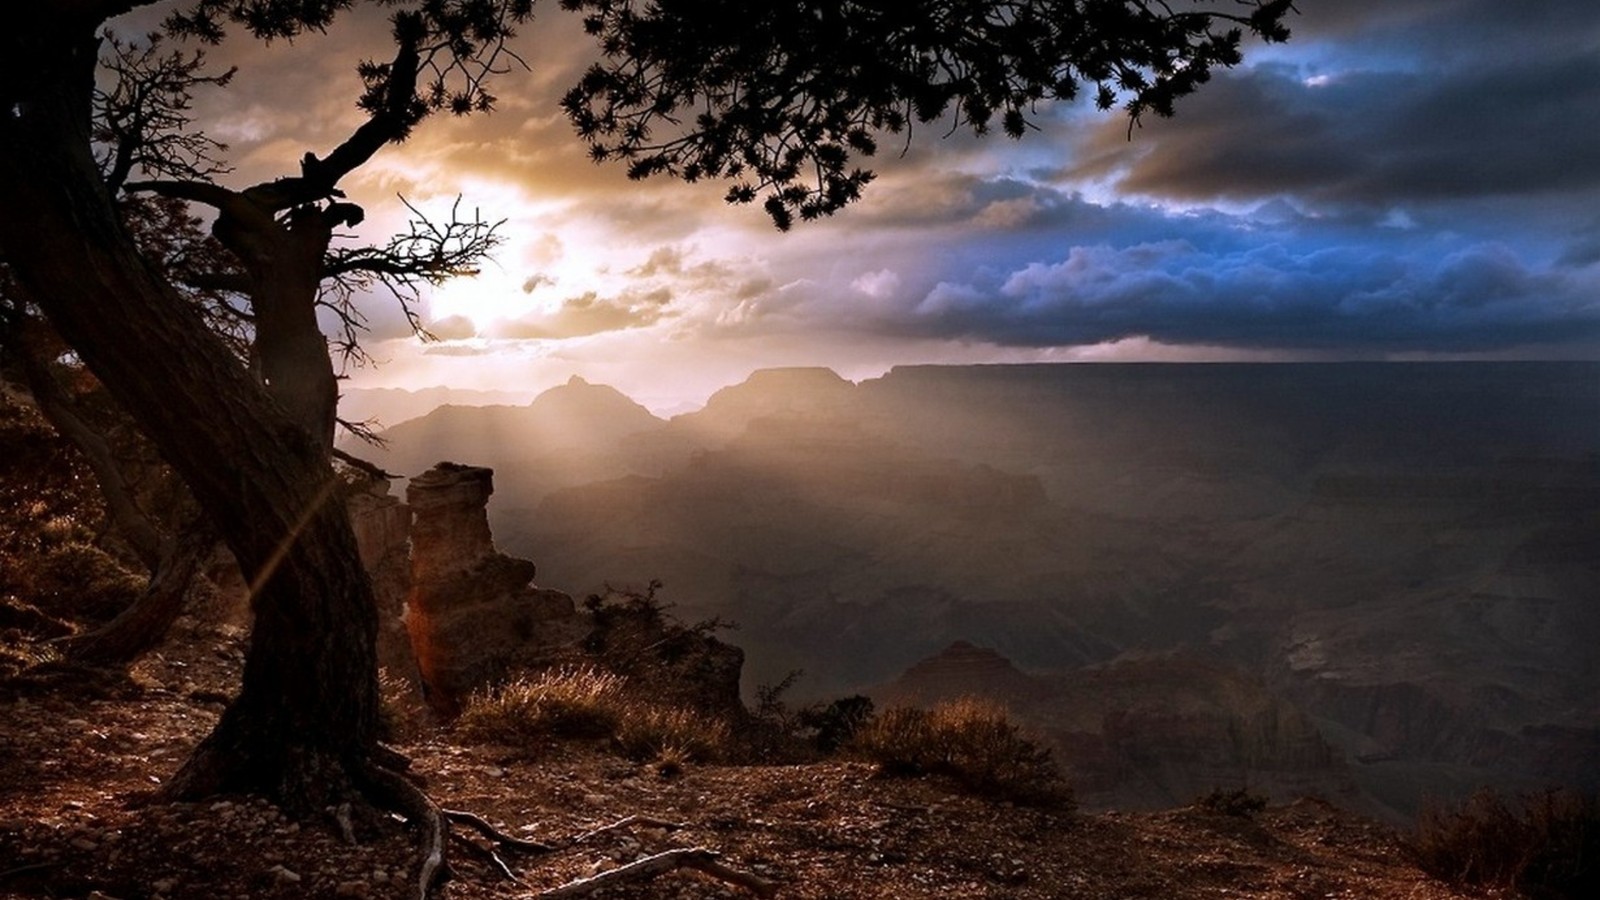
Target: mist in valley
[[1377, 582]]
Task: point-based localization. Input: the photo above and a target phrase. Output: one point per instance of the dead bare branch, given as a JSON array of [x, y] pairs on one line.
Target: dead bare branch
[[626, 822]]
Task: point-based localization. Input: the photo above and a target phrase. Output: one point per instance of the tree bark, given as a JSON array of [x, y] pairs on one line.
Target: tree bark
[[57, 407], [304, 726], [285, 263], [141, 626]]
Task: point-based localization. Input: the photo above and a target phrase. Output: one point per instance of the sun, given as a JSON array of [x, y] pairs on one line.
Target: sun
[[480, 299], [533, 274]]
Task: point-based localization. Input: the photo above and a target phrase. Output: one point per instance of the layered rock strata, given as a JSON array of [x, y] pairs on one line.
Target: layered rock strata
[[473, 613]]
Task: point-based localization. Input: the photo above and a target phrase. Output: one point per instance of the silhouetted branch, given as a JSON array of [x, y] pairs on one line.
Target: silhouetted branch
[[356, 462], [141, 123], [428, 253]]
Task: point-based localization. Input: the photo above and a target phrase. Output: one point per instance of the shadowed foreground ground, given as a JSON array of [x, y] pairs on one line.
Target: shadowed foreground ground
[[77, 758]]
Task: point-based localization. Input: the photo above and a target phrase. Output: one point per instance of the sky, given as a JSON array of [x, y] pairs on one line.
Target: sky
[[1403, 180]]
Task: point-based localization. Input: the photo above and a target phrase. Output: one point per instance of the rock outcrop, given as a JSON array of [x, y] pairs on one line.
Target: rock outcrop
[[473, 613]]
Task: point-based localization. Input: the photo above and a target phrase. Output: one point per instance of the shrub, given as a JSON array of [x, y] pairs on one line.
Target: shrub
[[1543, 846], [970, 741], [402, 715], [82, 581], [564, 703], [646, 732], [835, 725], [636, 636], [590, 703], [1237, 802]]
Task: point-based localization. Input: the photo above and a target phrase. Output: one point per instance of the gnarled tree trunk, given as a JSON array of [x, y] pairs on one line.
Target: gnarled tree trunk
[[303, 728]]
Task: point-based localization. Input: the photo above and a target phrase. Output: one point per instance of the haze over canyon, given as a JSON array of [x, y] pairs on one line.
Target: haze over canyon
[[1373, 581]]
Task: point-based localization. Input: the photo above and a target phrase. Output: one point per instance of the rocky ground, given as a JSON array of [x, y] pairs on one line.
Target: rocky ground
[[80, 758]]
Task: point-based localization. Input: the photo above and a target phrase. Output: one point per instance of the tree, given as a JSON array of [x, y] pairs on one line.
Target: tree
[[781, 98], [259, 280]]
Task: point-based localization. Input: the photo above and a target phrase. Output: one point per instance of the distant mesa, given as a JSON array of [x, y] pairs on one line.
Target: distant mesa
[[959, 669], [767, 393]]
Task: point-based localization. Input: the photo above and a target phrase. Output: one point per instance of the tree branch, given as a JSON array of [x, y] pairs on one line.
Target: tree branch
[[59, 409], [396, 109], [228, 202], [356, 462]]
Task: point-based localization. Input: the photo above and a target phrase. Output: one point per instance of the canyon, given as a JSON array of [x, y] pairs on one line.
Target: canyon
[[1372, 581]]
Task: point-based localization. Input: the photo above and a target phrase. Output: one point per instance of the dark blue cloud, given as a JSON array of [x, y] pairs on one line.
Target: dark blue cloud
[[1374, 138], [1356, 299], [1407, 175]]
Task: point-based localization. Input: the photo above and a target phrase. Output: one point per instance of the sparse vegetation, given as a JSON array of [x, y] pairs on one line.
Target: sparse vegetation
[[1541, 846], [836, 724], [563, 703], [591, 704], [403, 717], [970, 741], [1239, 802], [636, 636], [670, 736], [778, 733]]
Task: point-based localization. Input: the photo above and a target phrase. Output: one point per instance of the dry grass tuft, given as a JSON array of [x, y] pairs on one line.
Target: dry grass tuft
[[590, 703]]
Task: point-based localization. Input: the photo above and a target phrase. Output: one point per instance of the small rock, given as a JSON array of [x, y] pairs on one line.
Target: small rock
[[86, 845], [283, 875], [351, 889], [164, 885]]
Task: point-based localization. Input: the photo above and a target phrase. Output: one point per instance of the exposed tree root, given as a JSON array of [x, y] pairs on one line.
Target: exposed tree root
[[31, 867], [698, 858], [376, 787], [480, 825], [401, 795], [488, 855]]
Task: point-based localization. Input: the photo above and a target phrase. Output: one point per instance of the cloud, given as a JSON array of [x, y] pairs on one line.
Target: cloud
[[587, 314], [1404, 175], [452, 328], [535, 281], [461, 350], [1420, 120], [879, 284], [1354, 299]]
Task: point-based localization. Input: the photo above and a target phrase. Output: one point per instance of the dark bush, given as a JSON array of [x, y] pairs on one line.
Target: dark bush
[[1542, 846], [969, 741], [1237, 802], [836, 724]]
